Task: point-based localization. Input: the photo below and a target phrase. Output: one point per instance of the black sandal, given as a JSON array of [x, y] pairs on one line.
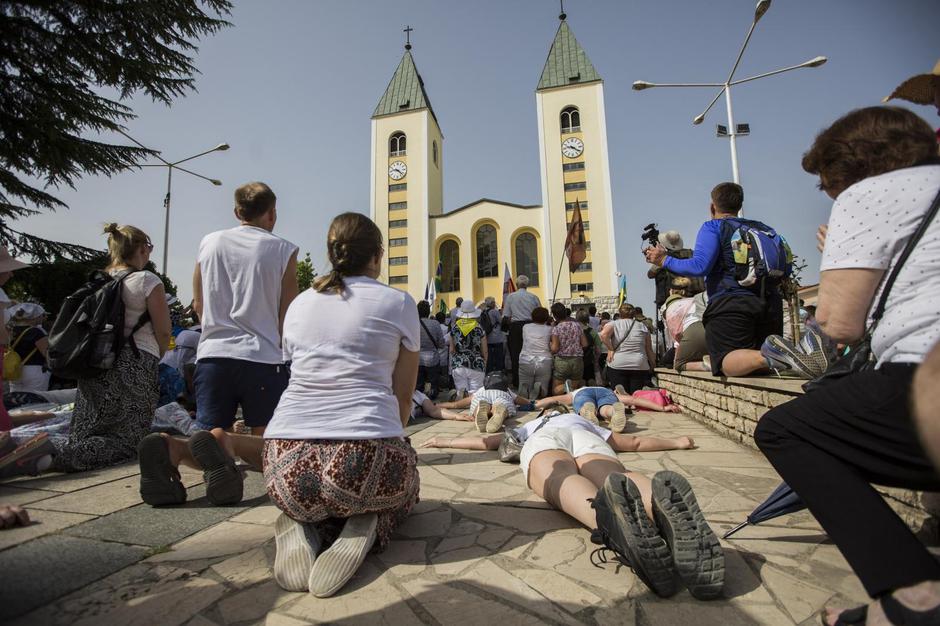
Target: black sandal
[[849, 617], [159, 481]]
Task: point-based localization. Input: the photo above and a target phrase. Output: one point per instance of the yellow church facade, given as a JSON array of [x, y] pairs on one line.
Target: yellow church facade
[[471, 245]]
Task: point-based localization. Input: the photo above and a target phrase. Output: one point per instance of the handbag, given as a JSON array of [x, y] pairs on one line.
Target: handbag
[[860, 357], [510, 447]]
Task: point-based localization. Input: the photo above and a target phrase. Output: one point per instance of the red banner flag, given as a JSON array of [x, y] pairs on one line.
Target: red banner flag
[[575, 246]]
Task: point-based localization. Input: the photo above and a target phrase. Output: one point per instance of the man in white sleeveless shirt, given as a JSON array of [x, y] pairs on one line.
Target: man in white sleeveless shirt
[[245, 278]]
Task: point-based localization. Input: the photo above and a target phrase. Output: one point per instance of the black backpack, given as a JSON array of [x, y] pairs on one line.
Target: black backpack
[[88, 333], [486, 321]]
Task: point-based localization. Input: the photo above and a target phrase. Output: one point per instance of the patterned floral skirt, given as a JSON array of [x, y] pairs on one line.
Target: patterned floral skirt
[[325, 481]]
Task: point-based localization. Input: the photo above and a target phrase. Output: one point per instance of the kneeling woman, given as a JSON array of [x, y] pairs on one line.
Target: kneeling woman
[[655, 526], [336, 461]]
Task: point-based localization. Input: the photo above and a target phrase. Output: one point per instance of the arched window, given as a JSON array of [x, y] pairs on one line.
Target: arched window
[[487, 261], [449, 255], [570, 120], [396, 144], [434, 151], [527, 258]]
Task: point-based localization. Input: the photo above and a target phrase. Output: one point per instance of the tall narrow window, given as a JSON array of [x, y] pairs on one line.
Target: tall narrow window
[[434, 151], [449, 255], [397, 145], [487, 261], [527, 258], [570, 120]]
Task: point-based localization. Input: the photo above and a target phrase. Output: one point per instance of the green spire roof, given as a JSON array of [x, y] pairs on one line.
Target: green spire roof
[[567, 63], [405, 92]]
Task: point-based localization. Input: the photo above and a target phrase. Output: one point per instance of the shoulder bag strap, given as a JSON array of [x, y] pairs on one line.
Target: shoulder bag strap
[[627, 334], [428, 333], [908, 249], [18, 339]]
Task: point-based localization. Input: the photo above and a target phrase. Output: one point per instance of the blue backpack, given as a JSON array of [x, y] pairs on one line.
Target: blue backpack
[[760, 255]]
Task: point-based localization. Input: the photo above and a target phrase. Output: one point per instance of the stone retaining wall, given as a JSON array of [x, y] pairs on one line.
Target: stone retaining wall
[[732, 407]]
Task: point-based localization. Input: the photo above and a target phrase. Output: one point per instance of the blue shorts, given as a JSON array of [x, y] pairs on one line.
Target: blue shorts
[[224, 384], [600, 396]]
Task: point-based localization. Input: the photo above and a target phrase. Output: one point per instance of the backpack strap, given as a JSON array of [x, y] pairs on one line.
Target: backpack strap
[[16, 343]]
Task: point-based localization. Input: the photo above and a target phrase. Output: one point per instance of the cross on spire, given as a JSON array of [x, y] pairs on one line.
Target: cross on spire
[[562, 15], [407, 30]]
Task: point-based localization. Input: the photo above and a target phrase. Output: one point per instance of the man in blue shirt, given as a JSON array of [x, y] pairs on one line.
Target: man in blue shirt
[[738, 318]]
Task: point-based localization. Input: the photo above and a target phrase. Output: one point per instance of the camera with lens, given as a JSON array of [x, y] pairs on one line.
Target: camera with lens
[[650, 237]]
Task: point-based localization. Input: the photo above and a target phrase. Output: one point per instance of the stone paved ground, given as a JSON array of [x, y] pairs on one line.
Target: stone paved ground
[[478, 549]]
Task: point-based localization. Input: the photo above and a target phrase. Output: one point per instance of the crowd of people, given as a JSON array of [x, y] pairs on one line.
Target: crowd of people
[[289, 364]]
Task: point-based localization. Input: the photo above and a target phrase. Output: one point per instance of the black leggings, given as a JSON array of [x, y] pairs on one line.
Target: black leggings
[[632, 380], [830, 444]]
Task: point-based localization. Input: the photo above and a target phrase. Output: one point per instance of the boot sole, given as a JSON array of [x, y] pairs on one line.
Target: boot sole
[[294, 557], [695, 549], [338, 563], [643, 546], [158, 483], [224, 484], [482, 415], [589, 412], [619, 420], [496, 422]]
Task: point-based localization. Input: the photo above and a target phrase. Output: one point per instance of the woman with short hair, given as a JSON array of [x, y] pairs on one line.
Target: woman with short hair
[[567, 346], [535, 359], [630, 356], [114, 410], [429, 359], [880, 166], [336, 460]]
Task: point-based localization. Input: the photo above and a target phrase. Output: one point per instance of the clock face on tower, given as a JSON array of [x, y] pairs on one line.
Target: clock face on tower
[[572, 147], [397, 170]]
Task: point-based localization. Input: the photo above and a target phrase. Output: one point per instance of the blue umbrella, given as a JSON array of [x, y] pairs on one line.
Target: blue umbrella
[[781, 502]]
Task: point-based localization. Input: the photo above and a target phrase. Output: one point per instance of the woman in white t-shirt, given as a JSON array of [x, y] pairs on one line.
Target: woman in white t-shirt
[[830, 445], [114, 411], [535, 359], [573, 465], [336, 460], [629, 351]]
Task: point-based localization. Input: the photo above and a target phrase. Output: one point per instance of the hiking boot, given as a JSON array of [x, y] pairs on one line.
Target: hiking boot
[[536, 391], [159, 480], [781, 354], [338, 563], [624, 528], [224, 483], [697, 555], [619, 389], [589, 412], [499, 416], [618, 421], [29, 459], [297, 546], [482, 415]]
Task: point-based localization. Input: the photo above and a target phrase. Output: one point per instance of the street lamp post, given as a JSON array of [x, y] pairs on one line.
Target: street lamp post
[[170, 166], [725, 87]]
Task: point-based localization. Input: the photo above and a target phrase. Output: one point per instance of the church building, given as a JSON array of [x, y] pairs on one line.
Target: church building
[[472, 243]]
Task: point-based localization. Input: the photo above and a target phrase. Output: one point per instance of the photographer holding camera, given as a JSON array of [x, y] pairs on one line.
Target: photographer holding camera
[[671, 241], [744, 302]]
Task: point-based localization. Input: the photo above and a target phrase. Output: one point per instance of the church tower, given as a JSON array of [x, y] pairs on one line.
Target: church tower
[[575, 168], [406, 176]]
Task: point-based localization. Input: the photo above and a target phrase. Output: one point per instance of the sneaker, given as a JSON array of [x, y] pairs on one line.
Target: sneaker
[[338, 563], [618, 422], [499, 416], [619, 389], [452, 395], [783, 355], [697, 555], [589, 412], [624, 528], [482, 415], [427, 389], [813, 342], [224, 483], [707, 360], [159, 480], [297, 546], [536, 391], [29, 459]]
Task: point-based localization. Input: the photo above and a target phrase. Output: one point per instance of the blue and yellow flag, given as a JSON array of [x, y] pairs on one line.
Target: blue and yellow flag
[[622, 293]]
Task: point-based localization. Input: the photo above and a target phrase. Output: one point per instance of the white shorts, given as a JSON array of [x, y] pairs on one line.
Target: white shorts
[[466, 378], [574, 441]]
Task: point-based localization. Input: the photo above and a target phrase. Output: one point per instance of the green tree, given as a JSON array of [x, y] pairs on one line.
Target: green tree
[[59, 63], [305, 273]]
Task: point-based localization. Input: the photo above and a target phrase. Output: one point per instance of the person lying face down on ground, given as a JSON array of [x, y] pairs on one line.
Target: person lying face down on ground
[[655, 526], [589, 402], [491, 405]]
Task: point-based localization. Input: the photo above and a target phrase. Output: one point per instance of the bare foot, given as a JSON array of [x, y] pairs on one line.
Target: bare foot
[[12, 515], [672, 408], [685, 443], [923, 596]]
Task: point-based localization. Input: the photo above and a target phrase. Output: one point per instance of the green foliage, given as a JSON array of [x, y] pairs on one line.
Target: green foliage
[[57, 62], [305, 273]]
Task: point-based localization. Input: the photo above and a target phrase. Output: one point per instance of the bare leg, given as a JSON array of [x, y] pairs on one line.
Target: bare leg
[[246, 447], [743, 362], [695, 366], [558, 387], [553, 475], [597, 467], [606, 411]]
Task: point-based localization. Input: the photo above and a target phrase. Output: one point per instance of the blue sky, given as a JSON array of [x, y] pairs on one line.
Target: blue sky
[[292, 86]]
